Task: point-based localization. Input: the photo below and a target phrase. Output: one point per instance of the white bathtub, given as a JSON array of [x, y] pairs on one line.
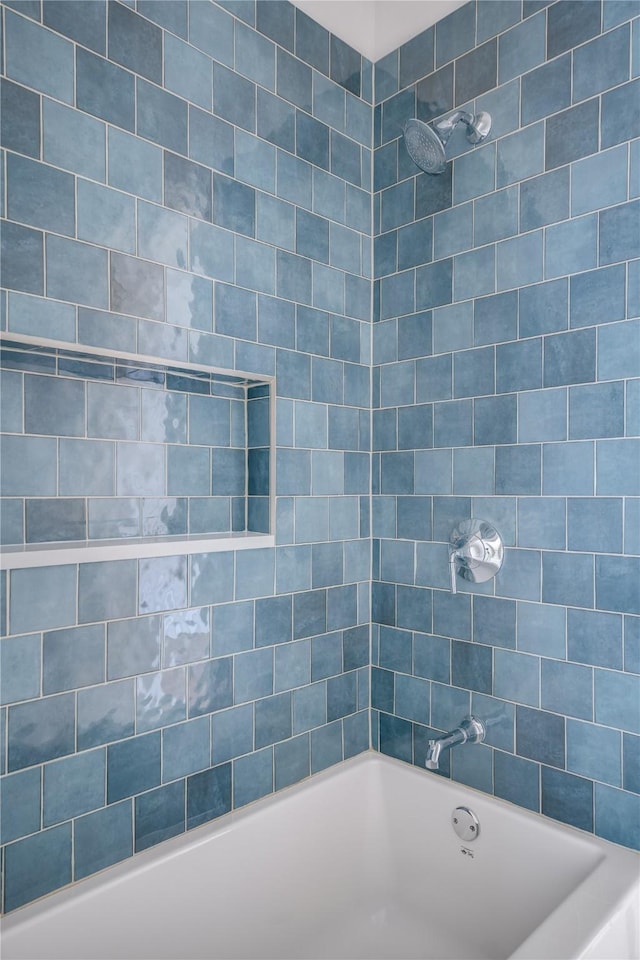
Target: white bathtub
[[361, 861]]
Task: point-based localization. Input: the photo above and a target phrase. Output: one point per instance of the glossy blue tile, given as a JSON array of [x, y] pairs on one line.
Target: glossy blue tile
[[568, 469], [161, 117], [159, 814], [252, 777], [519, 260], [20, 119], [521, 48], [631, 748], [42, 598], [134, 42], [595, 638], [133, 766], [518, 470], [102, 839], [134, 164], [39, 58], [106, 217], [185, 749], [516, 780], [476, 71], [20, 795], [162, 584], [105, 90], [20, 659], [567, 798], [187, 72], [614, 811], [208, 795], [540, 736], [520, 155], [618, 235], [124, 658], [160, 699], [546, 89], [623, 98], [455, 33], [40, 195], [598, 296], [618, 350], [72, 658], [567, 579], [77, 272], [616, 584], [542, 523], [616, 700], [41, 730], [211, 29], [311, 42], [594, 752], [52, 850], [105, 713], [570, 358], [87, 26], [586, 411], [172, 16], [570, 247], [570, 26]]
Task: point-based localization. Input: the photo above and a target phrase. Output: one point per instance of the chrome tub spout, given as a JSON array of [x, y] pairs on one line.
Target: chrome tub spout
[[470, 730]]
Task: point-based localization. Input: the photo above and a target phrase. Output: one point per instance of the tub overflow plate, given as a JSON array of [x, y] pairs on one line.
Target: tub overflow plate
[[465, 823]]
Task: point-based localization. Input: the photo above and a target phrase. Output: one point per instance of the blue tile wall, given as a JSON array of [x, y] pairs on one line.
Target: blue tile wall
[[216, 207], [186, 223], [521, 412]]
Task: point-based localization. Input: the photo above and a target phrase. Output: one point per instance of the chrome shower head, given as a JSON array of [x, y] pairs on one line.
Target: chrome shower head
[[426, 144]]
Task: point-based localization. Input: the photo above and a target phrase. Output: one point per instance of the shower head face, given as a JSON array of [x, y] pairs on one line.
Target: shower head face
[[424, 146]]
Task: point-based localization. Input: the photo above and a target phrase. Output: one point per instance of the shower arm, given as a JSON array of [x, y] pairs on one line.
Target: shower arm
[[477, 126]]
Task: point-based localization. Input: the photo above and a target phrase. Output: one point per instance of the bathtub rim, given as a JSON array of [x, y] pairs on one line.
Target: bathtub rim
[[604, 893]]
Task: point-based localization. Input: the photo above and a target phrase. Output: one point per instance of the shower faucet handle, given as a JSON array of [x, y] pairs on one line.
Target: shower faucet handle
[[476, 552]]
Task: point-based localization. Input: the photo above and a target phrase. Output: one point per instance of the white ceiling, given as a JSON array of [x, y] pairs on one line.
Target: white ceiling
[[376, 27]]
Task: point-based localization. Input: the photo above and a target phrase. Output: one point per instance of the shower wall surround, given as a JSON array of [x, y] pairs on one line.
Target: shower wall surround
[[507, 357], [189, 181], [192, 181]]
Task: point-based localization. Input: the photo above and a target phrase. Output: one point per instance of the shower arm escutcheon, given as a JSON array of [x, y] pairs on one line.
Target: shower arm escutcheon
[[476, 552]]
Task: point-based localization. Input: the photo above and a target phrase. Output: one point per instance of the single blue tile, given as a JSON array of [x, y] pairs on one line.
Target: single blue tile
[[618, 235], [623, 99], [518, 470], [455, 33], [540, 736], [211, 140], [86, 25], [517, 677], [105, 90], [567, 579], [572, 134], [133, 766], [520, 155], [474, 273], [208, 795], [292, 761], [40, 195], [20, 795], [522, 48], [544, 199], [568, 469], [294, 176], [569, 358], [161, 117], [615, 812], [568, 27], [106, 217], [187, 187], [476, 71], [233, 98], [586, 411], [618, 350], [546, 89], [311, 42], [105, 713], [135, 43], [211, 29], [567, 798], [542, 523], [617, 701], [102, 839], [255, 573], [20, 660], [519, 367], [41, 730], [51, 850], [475, 173], [594, 752], [631, 766], [77, 272], [516, 780], [617, 584], [185, 748], [39, 58], [570, 247], [125, 658], [519, 261], [252, 777], [42, 598], [293, 277], [159, 814], [160, 699], [187, 72], [162, 584], [173, 16], [598, 296], [72, 658], [134, 165], [22, 258], [20, 119], [272, 719]]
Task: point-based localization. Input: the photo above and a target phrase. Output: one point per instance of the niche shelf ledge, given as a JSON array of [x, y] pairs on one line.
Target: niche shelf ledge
[[58, 554]]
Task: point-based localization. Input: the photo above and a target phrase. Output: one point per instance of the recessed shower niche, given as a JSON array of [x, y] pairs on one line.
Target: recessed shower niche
[[106, 456]]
